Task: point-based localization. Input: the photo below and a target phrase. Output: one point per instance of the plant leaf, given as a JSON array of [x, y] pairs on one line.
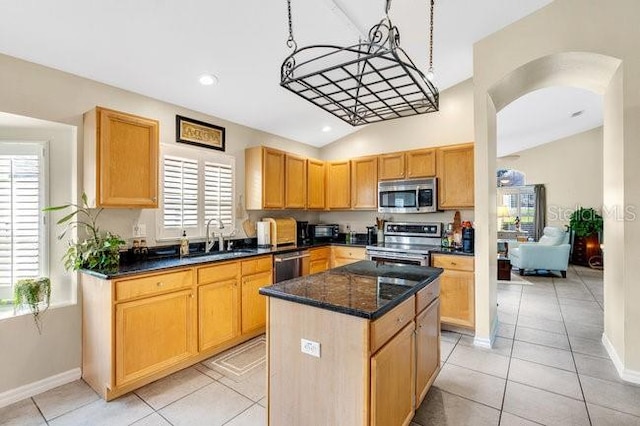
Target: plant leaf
[[55, 208], [67, 217]]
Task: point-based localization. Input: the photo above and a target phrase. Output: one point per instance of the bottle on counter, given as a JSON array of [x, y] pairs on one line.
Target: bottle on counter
[[348, 235], [184, 244]]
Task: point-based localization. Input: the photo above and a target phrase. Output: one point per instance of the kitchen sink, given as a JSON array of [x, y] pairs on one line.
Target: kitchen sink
[[225, 253]]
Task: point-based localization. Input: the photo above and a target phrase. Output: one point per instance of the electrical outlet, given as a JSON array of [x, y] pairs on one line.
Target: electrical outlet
[[139, 230], [310, 348]]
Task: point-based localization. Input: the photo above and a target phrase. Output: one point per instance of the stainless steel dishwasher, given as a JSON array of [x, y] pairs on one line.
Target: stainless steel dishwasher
[[290, 265]]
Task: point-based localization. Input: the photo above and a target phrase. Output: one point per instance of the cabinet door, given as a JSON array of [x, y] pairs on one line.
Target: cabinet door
[[295, 182], [316, 181], [152, 334], [427, 349], [421, 163], [457, 298], [392, 381], [218, 313], [339, 185], [341, 256], [127, 160], [391, 166], [272, 179], [364, 183], [254, 305], [456, 176]]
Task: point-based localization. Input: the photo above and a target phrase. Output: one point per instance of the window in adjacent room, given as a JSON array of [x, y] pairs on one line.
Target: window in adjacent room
[[517, 202], [196, 186], [23, 234]]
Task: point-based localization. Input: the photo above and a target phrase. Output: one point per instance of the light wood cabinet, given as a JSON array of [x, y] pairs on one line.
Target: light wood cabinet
[[364, 183], [319, 259], [316, 182], [218, 313], [421, 163], [427, 349], [339, 185], [152, 334], [256, 273], [455, 176], [120, 159], [391, 380], [295, 186], [264, 178], [457, 294], [391, 166], [343, 255]]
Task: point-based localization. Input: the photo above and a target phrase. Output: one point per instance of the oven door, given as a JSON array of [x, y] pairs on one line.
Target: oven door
[[389, 258]]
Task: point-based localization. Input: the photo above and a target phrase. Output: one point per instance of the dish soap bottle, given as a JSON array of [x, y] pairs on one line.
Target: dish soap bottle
[[184, 244]]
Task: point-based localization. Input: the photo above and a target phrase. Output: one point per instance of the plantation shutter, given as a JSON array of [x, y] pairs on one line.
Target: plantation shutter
[[21, 226], [180, 192], [218, 193]]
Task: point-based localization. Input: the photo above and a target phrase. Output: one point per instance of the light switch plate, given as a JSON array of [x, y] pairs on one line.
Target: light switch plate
[[139, 230], [310, 347]]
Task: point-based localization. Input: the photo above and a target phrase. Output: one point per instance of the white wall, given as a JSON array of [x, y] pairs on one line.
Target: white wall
[[570, 169]]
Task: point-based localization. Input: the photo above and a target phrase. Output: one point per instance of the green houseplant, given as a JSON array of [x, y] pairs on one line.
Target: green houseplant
[[35, 294], [586, 225], [99, 251]]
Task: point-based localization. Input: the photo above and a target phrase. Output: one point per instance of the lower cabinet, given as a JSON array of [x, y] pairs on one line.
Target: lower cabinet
[[319, 259], [153, 333], [457, 294], [391, 378], [344, 255], [427, 348], [141, 328]]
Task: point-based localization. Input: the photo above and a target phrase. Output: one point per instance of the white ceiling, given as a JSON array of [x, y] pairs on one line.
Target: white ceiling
[[159, 48]]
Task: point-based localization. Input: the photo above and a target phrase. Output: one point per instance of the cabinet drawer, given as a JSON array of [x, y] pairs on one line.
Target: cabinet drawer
[[385, 327], [254, 266], [457, 263], [154, 284], [427, 295], [349, 252], [218, 272], [319, 253]]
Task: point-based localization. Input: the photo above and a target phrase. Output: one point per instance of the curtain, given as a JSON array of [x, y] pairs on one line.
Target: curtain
[[541, 209]]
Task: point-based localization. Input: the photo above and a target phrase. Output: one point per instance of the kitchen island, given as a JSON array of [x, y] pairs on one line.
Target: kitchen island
[[356, 345]]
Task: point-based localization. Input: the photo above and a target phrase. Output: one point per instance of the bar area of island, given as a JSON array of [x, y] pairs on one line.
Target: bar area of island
[[356, 345]]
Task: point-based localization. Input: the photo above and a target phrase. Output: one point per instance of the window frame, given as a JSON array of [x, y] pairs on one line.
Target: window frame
[[201, 156], [41, 149], [518, 191]]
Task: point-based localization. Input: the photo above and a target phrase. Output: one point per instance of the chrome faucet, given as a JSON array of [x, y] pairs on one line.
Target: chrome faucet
[[208, 245]]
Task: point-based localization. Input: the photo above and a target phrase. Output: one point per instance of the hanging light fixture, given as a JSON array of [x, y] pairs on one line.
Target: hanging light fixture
[[373, 80]]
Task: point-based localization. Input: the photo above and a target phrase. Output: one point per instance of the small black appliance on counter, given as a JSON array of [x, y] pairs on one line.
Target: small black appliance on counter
[[372, 236], [302, 234], [324, 232], [468, 239]]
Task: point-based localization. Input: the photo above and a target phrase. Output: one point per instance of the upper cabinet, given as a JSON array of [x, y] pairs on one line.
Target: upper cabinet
[[407, 164], [264, 178], [120, 159], [316, 182], [339, 184], [295, 187], [421, 163], [455, 176], [364, 183]]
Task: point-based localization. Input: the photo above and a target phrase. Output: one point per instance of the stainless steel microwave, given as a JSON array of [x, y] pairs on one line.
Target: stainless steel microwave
[[408, 196]]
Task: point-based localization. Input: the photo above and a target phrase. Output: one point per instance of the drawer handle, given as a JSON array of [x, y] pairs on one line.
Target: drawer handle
[[400, 320], [159, 283], [454, 263]]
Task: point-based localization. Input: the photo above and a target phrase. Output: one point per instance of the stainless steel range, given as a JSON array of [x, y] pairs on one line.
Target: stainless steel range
[[407, 243]]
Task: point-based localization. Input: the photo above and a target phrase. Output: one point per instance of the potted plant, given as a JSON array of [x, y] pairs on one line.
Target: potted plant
[[35, 294], [99, 251], [586, 225]]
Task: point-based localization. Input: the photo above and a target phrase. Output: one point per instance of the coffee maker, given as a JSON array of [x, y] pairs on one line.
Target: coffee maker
[[302, 234]]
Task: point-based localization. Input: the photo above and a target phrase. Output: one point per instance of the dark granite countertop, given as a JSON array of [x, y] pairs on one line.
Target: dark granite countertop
[[448, 250], [363, 289], [153, 265]]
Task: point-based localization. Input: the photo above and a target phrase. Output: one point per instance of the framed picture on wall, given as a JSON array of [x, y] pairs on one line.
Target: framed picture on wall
[[199, 133]]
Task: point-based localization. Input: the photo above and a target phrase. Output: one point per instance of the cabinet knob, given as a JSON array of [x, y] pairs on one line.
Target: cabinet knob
[[400, 319], [454, 263], [159, 283], [154, 199]]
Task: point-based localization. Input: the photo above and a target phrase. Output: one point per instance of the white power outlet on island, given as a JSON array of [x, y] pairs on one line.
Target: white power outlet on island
[[310, 348]]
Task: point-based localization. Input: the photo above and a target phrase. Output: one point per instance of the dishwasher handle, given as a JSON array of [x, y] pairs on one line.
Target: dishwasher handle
[[286, 259]]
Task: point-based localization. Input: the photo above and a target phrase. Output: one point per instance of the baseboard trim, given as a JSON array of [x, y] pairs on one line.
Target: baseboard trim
[[488, 343], [624, 373], [31, 389]]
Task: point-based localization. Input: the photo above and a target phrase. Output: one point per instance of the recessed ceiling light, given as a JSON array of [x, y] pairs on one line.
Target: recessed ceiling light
[[208, 79], [577, 113], [326, 129]]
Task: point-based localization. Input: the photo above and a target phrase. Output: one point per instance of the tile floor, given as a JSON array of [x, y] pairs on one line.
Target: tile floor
[[548, 366]]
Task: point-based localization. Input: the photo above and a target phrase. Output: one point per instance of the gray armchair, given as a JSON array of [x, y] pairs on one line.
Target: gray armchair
[[551, 253]]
